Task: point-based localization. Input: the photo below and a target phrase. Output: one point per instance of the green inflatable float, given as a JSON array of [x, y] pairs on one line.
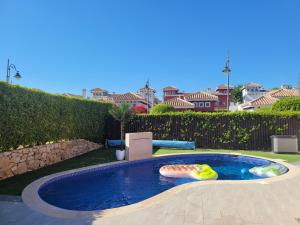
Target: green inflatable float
[[271, 170]]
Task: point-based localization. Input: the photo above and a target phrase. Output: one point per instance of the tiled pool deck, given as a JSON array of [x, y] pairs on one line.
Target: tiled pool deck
[[259, 203]]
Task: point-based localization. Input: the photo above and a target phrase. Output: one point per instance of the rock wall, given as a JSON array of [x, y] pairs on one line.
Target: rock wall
[[27, 159]]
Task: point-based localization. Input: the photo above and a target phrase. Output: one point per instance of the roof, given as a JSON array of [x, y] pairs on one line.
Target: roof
[[98, 89], [170, 88], [251, 85], [263, 100], [72, 95], [281, 93], [179, 103], [127, 97], [224, 86], [201, 96]]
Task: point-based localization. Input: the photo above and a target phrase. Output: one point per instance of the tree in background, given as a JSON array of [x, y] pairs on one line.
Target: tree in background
[[237, 95], [162, 108]]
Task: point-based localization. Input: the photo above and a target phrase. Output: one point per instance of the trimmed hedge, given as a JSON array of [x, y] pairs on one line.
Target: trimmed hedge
[[31, 117], [240, 130]]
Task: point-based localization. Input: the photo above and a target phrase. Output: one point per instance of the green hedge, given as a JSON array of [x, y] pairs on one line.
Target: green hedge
[[287, 104], [241, 130], [31, 117]]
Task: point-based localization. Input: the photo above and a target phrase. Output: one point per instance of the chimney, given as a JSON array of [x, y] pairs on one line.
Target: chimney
[[84, 93]]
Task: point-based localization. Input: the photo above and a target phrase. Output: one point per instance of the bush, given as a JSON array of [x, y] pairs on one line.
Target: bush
[[31, 117], [287, 104], [238, 130], [162, 108]]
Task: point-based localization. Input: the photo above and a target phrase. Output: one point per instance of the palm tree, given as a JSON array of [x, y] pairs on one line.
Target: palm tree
[[121, 114]]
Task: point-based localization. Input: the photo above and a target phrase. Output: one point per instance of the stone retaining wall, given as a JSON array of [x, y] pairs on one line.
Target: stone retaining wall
[[27, 159]]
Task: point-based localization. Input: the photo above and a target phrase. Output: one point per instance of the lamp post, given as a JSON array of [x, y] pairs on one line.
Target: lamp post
[[147, 89], [9, 67], [227, 71]]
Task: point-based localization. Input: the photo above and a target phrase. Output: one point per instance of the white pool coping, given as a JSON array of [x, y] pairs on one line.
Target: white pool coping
[[32, 199]]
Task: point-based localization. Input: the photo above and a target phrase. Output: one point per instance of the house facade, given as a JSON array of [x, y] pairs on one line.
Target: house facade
[[252, 91], [204, 101]]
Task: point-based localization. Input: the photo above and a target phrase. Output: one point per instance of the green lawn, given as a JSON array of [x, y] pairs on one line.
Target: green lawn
[[15, 185]]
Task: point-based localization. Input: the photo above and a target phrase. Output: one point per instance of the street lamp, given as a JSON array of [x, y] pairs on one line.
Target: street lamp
[[9, 67], [147, 89], [227, 71]]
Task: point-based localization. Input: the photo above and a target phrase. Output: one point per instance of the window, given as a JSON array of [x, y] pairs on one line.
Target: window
[[207, 104], [201, 104]]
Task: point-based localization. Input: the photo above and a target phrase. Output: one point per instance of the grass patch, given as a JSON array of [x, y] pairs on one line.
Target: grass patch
[[289, 157], [15, 185]]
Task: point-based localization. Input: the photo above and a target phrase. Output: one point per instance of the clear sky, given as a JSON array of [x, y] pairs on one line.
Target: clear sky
[[66, 45]]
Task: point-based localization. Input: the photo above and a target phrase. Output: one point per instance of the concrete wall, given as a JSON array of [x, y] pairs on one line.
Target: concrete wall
[[27, 159]]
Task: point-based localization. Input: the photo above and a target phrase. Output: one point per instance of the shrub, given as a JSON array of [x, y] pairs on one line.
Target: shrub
[[287, 104], [162, 108], [139, 109], [31, 117]]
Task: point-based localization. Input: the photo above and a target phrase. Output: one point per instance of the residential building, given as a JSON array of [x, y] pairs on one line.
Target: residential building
[[269, 99], [101, 95], [205, 101], [252, 91], [148, 93], [221, 93], [172, 92], [131, 98]]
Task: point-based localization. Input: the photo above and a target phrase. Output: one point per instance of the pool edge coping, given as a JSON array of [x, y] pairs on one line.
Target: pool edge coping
[[32, 199]]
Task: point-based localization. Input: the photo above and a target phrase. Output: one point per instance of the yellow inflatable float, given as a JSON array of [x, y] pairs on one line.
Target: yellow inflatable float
[[195, 171]]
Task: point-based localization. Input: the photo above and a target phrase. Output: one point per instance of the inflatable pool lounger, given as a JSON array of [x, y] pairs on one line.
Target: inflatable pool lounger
[[195, 171], [159, 143]]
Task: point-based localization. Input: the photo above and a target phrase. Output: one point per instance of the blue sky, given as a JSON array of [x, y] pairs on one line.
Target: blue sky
[[64, 46]]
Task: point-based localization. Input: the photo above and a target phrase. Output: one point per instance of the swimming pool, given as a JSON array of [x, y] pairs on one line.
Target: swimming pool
[[131, 182]]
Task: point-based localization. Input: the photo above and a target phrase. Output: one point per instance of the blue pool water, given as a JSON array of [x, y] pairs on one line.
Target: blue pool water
[[124, 184]]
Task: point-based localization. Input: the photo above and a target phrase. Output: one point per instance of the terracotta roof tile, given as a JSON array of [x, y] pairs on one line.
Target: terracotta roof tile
[[170, 88], [281, 93], [224, 86], [179, 103], [127, 97], [201, 96], [264, 100]]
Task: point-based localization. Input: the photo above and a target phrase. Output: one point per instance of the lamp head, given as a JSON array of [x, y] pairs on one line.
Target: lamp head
[[18, 76]]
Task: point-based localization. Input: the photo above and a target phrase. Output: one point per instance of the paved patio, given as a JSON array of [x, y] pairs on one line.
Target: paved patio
[[261, 203]]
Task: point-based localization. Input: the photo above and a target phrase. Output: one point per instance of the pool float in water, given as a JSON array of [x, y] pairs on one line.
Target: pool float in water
[[195, 171], [271, 170]]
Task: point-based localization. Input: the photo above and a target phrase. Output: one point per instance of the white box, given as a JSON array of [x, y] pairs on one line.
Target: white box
[[284, 143], [138, 145]]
